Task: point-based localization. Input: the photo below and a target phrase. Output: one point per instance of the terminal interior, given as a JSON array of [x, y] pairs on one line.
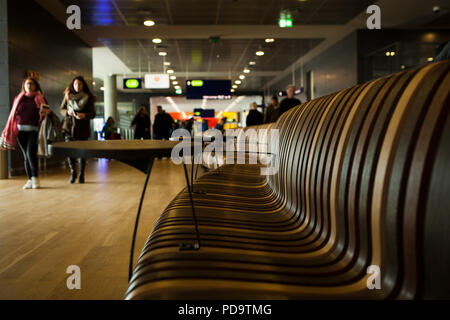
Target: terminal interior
[[362, 174]]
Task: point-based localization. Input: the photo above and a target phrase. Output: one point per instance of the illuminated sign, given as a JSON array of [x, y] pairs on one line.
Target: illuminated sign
[[157, 81], [196, 83], [208, 89], [132, 83]]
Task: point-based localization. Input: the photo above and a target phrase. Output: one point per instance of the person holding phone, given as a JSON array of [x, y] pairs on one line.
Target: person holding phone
[[23, 127], [78, 108]]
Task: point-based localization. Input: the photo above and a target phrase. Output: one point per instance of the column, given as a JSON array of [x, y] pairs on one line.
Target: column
[[110, 95], [4, 83]]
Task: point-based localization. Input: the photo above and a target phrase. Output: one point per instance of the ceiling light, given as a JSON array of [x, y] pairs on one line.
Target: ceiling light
[[269, 40], [102, 88], [232, 90], [177, 87], [175, 82], [252, 63], [173, 78], [242, 77], [246, 70], [149, 23], [430, 59], [234, 86], [238, 82], [93, 83], [157, 40], [259, 53], [388, 54], [167, 63], [170, 71], [163, 53], [392, 53], [403, 67]]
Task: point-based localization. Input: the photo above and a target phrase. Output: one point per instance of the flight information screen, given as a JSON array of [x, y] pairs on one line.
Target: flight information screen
[[208, 89]]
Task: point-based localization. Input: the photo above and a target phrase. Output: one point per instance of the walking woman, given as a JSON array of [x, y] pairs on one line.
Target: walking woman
[[78, 109], [23, 126]]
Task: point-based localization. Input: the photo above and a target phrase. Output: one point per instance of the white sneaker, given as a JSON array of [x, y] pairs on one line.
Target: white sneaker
[[35, 184], [28, 185]]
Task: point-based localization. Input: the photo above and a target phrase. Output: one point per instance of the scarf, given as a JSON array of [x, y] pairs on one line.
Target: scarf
[[10, 133]]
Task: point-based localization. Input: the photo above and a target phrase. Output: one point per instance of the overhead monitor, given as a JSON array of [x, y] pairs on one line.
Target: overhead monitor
[[132, 83], [208, 89], [157, 81]]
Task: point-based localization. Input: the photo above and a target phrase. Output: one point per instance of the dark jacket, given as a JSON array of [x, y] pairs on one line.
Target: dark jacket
[[163, 125], [73, 127], [272, 113], [142, 126], [254, 118], [288, 104]]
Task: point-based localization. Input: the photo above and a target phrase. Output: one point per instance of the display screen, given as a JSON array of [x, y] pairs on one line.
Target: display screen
[[157, 81], [132, 83], [208, 89], [204, 113]]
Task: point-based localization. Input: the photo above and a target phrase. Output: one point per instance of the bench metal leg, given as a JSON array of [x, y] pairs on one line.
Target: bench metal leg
[[149, 170], [196, 245]]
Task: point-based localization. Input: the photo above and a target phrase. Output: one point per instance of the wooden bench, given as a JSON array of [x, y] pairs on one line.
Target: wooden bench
[[364, 179]]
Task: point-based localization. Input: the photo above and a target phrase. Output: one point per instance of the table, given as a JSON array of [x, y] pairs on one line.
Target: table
[[139, 154]]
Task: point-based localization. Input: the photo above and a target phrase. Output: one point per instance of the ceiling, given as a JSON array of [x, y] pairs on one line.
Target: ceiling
[[241, 26]]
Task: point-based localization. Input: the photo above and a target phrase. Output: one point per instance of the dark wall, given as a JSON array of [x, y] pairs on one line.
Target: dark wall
[[39, 42], [412, 48], [4, 74], [333, 69]]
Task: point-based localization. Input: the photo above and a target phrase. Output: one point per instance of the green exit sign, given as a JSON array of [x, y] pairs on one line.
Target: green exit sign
[[197, 83], [132, 83], [178, 91], [285, 20]]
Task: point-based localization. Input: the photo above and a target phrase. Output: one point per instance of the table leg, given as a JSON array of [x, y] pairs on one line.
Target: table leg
[[149, 170]]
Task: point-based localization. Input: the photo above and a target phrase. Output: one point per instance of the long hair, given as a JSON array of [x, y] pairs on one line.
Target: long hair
[[86, 89], [36, 84]]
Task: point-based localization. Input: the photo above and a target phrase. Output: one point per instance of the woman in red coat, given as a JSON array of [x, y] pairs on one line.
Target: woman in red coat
[[23, 127]]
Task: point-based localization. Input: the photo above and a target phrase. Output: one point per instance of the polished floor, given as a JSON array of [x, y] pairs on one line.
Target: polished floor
[[44, 231]]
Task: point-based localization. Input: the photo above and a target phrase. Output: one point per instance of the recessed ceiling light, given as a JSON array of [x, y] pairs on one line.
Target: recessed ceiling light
[[403, 67], [232, 90], [246, 70], [175, 82], [238, 82], [163, 53], [234, 86], [177, 87], [242, 77], [269, 40], [259, 53], [392, 53], [157, 40], [93, 83], [173, 78], [102, 88], [252, 63], [149, 23], [167, 63], [170, 71], [430, 59]]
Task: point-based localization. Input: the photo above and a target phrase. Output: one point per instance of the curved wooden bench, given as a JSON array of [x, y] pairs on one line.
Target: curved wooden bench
[[364, 180]]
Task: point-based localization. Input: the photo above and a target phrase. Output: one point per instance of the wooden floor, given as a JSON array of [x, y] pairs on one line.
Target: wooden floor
[[42, 232]]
